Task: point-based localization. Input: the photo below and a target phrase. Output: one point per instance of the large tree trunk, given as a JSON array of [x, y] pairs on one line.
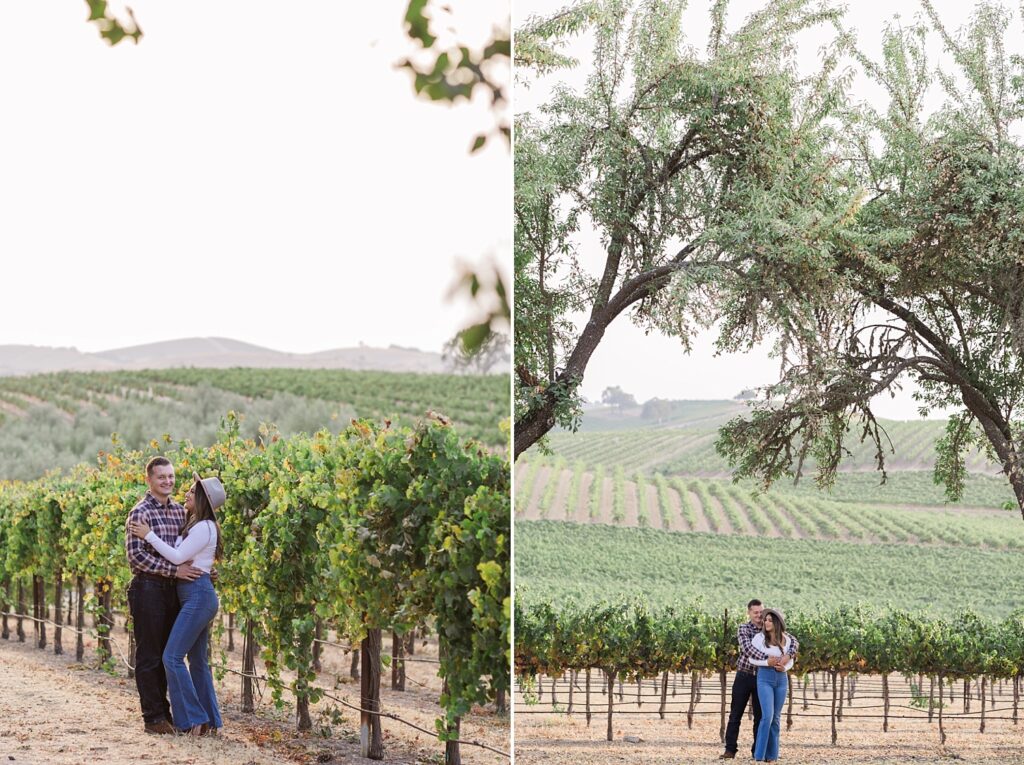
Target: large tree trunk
[[371, 742]]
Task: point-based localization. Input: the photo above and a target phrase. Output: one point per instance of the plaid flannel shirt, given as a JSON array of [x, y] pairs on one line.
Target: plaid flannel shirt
[[167, 521], [745, 636]]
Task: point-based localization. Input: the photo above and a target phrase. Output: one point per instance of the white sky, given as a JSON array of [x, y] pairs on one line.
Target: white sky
[[653, 365], [254, 170]]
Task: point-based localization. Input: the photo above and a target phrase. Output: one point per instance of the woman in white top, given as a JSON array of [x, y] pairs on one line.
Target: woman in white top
[[193, 699], [772, 684]]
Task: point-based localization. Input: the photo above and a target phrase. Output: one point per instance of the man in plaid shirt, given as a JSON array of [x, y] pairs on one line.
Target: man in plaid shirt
[[152, 594], [744, 684]]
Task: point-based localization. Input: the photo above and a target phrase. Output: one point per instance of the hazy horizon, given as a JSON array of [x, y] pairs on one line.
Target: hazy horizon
[[228, 177]]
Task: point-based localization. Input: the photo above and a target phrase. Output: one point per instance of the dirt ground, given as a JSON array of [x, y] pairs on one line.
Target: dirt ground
[[551, 738], [55, 710]]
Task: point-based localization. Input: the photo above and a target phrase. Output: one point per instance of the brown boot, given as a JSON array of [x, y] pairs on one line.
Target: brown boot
[[727, 756], [160, 727]]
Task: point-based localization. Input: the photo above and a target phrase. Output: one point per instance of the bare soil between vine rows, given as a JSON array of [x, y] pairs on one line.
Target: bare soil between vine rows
[[55, 710], [554, 738]]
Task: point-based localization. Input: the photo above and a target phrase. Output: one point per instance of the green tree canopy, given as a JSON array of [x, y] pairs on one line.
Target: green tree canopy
[[690, 164]]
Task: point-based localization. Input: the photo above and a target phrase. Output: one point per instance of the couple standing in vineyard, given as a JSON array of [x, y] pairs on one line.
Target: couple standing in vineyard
[[171, 550], [766, 654]]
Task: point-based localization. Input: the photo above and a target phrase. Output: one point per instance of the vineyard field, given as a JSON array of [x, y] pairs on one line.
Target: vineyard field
[[718, 505], [62, 419], [563, 562], [687, 448]]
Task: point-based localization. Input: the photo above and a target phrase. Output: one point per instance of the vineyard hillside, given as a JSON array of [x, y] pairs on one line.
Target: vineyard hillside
[[58, 420]]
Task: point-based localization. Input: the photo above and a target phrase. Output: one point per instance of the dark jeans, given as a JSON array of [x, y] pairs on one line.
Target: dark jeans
[[153, 602], [744, 688]]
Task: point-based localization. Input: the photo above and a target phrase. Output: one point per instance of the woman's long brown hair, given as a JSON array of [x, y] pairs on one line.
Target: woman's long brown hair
[[777, 636], [202, 510]]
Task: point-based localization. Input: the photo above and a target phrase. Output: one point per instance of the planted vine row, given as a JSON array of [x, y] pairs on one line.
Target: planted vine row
[[630, 642], [374, 529]]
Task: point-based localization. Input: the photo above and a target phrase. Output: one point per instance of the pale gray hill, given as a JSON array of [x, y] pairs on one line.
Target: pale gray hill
[[32, 359], [193, 351], [214, 352]]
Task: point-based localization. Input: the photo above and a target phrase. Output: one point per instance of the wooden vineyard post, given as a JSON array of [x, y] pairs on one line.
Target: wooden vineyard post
[[693, 700], [885, 702], [805, 683], [1016, 697], [967, 696], [105, 619], [942, 730], [982, 728], [353, 670], [39, 610], [588, 697], [664, 694], [231, 632], [371, 742], [931, 700], [80, 619], [318, 635], [248, 667], [131, 654], [835, 733], [842, 683], [5, 630], [611, 700], [397, 663], [452, 752], [572, 685], [789, 710], [21, 611], [58, 596], [721, 674]]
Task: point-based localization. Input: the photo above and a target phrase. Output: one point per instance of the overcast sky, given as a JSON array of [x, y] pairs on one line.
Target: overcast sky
[[254, 170], [656, 366]]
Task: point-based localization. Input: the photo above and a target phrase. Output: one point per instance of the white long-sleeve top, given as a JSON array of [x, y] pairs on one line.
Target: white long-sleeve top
[[773, 650], [199, 547]]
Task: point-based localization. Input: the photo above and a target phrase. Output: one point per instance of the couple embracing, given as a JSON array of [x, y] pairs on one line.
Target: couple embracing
[[766, 654], [171, 551]]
